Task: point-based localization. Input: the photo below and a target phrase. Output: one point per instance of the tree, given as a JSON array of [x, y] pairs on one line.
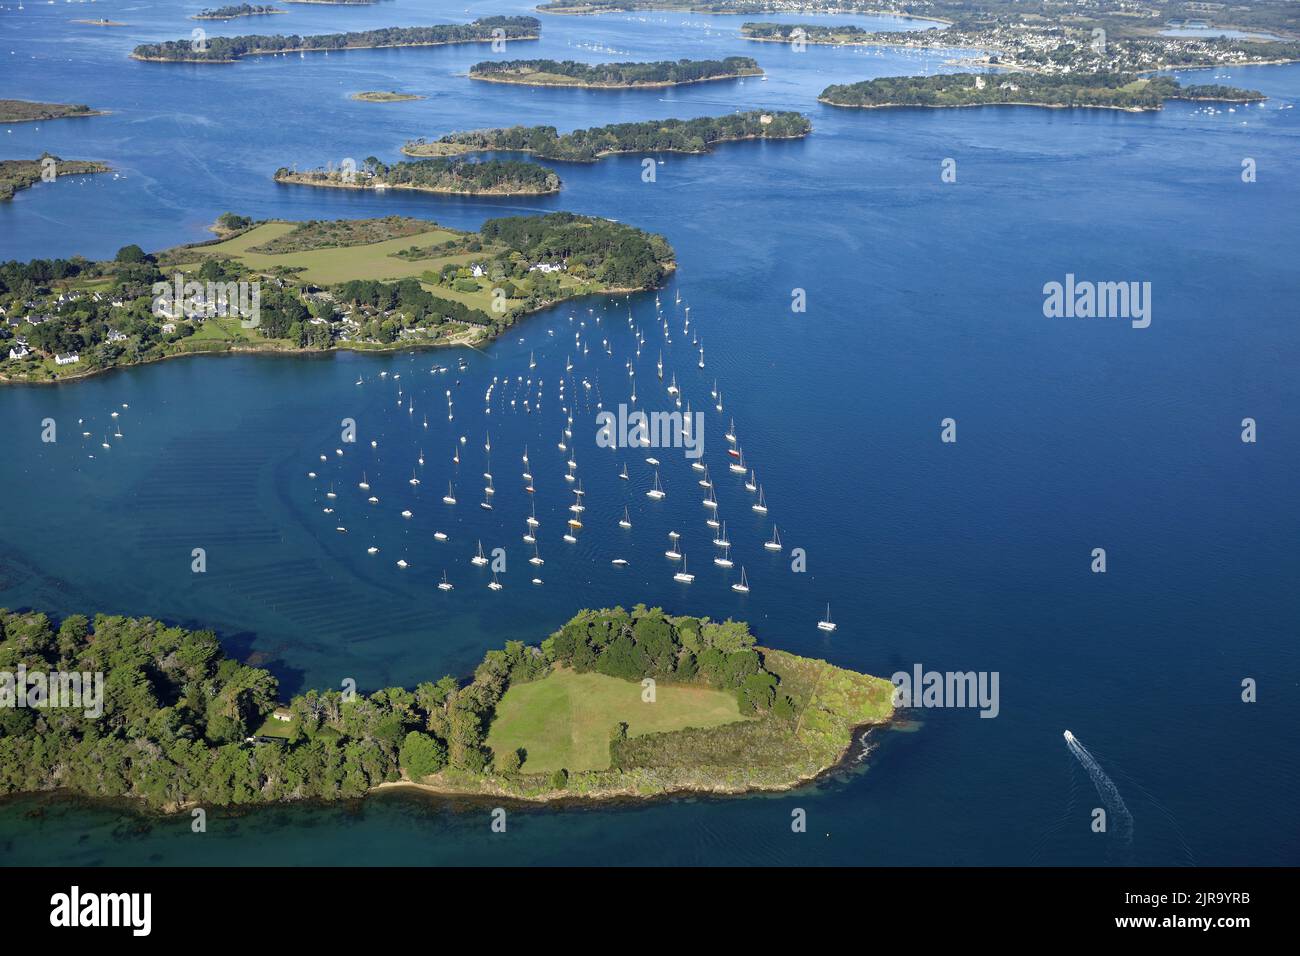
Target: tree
[[131, 254], [560, 779], [422, 755]]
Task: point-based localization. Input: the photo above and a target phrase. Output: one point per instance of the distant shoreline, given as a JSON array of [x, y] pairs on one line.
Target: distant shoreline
[[296, 179]]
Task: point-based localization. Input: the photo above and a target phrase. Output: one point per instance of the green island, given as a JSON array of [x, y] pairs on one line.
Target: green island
[[231, 49], [361, 284], [27, 111], [16, 174], [590, 145], [384, 96], [839, 34], [615, 703], [459, 177], [235, 11], [1117, 91], [613, 76]]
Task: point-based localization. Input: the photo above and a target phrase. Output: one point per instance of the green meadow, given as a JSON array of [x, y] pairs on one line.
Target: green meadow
[[566, 719]]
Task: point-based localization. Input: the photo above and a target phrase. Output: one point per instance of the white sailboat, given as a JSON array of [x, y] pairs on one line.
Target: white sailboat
[[444, 584], [682, 576], [721, 540], [743, 586], [761, 504], [657, 492], [363, 484], [672, 553], [725, 560], [827, 624], [623, 474], [450, 496], [494, 584], [750, 482], [775, 543], [626, 520], [479, 559]]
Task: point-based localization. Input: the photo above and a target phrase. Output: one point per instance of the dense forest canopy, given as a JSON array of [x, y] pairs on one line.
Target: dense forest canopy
[[617, 74], [1117, 90], [588, 145], [616, 254], [229, 49]]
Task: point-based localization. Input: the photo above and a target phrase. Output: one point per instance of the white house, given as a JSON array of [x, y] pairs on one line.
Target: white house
[[19, 352], [115, 336], [69, 359]]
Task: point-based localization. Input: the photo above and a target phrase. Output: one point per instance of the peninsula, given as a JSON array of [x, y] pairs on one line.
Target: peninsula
[[308, 287], [615, 703], [1116, 91], [457, 177], [16, 174], [231, 49], [613, 76], [27, 111], [589, 145], [1027, 35]]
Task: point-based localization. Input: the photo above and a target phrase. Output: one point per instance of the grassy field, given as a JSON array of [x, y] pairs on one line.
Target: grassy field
[[566, 719], [324, 266]]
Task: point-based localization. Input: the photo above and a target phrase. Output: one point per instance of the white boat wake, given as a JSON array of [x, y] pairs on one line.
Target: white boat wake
[[1116, 809]]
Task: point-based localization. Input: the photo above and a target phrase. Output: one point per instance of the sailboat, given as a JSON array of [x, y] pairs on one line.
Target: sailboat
[[494, 584], [536, 559], [775, 543], [529, 538], [721, 540], [711, 501], [363, 484], [626, 521], [682, 576], [330, 493], [750, 484], [532, 518], [827, 624], [737, 467], [661, 365], [532, 362], [672, 553], [731, 432], [623, 474], [761, 505], [743, 586], [657, 491], [450, 496], [455, 455], [444, 584], [480, 558], [413, 480], [701, 356], [672, 386]]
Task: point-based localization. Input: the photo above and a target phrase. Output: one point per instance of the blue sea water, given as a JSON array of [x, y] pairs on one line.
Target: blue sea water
[[924, 303]]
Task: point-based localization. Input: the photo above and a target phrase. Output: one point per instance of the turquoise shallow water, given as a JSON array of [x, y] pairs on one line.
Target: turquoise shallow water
[[924, 303]]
